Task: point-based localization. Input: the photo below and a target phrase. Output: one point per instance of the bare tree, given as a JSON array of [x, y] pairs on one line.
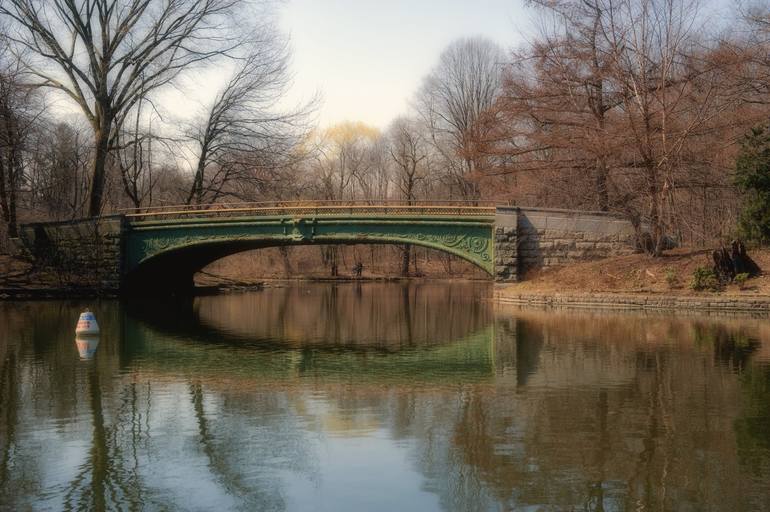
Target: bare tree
[[106, 54], [752, 44], [559, 93], [343, 158], [20, 108], [452, 100], [58, 170], [660, 110], [343, 161], [627, 106], [11, 142], [245, 135], [408, 151], [134, 156]]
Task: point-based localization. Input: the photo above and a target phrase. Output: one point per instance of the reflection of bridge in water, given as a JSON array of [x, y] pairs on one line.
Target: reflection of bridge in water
[[373, 330], [582, 410]]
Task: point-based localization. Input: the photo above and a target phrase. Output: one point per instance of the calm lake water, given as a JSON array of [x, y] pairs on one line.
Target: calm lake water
[[385, 397]]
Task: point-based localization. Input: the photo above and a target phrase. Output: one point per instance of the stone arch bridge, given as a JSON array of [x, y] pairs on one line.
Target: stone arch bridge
[[160, 249]]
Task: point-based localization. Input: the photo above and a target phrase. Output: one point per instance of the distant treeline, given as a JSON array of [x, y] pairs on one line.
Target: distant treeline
[[639, 107]]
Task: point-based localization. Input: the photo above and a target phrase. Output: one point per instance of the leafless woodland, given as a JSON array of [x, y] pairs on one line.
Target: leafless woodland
[[634, 107]]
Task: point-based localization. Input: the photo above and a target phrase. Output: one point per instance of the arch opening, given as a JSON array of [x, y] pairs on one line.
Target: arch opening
[[173, 270]]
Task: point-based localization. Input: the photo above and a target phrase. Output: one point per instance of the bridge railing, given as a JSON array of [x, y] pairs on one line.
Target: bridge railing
[[315, 208]]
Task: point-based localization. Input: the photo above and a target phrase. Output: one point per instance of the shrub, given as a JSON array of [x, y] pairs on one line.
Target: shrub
[[741, 279], [704, 279], [671, 277]]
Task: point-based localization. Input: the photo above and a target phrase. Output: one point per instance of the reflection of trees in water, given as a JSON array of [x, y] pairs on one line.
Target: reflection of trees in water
[[431, 419], [529, 343], [593, 412], [115, 473], [111, 427], [103, 480], [9, 399], [651, 428], [391, 315], [732, 348], [250, 467], [41, 383], [752, 427]]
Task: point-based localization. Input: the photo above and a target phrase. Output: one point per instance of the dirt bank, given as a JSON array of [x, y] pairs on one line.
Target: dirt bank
[[639, 281]]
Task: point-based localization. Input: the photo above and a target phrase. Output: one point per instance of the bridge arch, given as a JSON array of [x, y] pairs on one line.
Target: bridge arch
[[166, 253]]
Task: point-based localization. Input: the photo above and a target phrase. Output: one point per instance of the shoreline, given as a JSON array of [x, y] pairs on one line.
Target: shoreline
[[77, 293], [625, 301], [501, 294]]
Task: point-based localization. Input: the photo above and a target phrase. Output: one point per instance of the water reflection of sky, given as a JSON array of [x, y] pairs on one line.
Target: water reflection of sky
[[363, 473], [455, 406]]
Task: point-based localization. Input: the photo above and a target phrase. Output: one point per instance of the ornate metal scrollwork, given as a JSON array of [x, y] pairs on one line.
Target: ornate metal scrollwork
[[473, 244]]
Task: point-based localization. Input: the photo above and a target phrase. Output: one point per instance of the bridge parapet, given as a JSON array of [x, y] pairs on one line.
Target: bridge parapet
[[313, 209], [549, 237], [170, 244]]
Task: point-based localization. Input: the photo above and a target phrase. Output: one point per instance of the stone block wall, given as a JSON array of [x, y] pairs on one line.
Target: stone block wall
[[529, 238], [506, 247], [550, 237], [84, 253]]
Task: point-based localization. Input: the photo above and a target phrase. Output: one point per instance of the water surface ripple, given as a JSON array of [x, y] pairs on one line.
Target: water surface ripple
[[352, 397]]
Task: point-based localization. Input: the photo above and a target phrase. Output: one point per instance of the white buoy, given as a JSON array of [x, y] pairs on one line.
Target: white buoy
[[87, 346], [87, 324]]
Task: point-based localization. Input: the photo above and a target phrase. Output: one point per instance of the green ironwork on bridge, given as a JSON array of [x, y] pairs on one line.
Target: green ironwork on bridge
[[469, 238], [160, 244], [158, 249], [161, 249]]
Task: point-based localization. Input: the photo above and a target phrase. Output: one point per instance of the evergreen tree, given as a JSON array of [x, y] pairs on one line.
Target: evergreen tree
[[753, 177]]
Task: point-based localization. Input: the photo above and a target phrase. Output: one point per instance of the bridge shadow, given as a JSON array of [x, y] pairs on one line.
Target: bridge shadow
[[173, 271]]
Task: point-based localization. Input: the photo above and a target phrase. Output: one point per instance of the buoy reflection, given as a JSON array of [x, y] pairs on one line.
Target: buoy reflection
[[87, 346]]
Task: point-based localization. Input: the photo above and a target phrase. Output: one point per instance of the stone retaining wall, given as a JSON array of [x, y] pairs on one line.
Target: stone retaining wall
[[548, 237], [84, 253], [529, 238], [723, 303]]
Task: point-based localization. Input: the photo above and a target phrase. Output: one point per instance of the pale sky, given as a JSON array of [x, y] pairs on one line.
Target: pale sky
[[368, 57]]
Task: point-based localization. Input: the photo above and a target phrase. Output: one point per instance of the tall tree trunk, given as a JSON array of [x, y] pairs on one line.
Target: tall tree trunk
[[15, 175], [656, 219], [406, 250], [329, 256], [196, 191], [602, 193], [3, 188], [99, 174], [286, 261], [334, 267], [10, 175]]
